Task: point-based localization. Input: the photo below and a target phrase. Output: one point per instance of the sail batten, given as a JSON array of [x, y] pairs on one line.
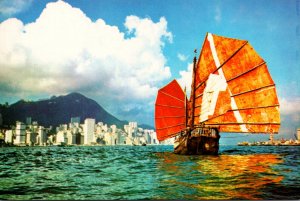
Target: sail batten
[[170, 106], [172, 96], [169, 117], [252, 90], [172, 126], [257, 66]]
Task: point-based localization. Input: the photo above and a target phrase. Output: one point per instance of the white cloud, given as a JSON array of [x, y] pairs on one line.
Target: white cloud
[[218, 14], [11, 7], [185, 80], [182, 57], [290, 108], [64, 51]]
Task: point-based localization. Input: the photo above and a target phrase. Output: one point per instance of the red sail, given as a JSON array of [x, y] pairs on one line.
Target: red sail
[[234, 88], [170, 112]]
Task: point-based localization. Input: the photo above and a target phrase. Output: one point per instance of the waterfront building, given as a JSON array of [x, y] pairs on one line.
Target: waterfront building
[[128, 130], [133, 124], [20, 133], [134, 128], [298, 134], [74, 126], [9, 137], [147, 135], [31, 137], [121, 138], [105, 128], [110, 138], [88, 130], [131, 129], [154, 139], [50, 140], [128, 141], [113, 128], [42, 135], [71, 137], [61, 137]]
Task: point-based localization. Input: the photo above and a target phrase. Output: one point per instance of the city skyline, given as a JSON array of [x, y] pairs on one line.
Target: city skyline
[[57, 47], [90, 133]]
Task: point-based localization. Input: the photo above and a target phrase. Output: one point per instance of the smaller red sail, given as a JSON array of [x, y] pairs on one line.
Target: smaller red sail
[[170, 112]]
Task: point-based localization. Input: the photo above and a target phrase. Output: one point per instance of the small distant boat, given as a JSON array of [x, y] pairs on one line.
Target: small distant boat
[[232, 91]]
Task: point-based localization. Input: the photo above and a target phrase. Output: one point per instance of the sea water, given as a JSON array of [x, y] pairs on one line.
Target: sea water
[[148, 172]]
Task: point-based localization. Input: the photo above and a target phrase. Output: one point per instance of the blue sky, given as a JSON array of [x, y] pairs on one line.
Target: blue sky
[[166, 32]]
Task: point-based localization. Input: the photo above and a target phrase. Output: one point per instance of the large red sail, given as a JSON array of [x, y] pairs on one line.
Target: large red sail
[[170, 112], [233, 88]]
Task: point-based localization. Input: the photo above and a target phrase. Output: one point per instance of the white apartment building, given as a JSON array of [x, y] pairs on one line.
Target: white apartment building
[[131, 129], [133, 124], [113, 128], [110, 138], [121, 138], [61, 137], [31, 137], [20, 134], [88, 131], [42, 135], [71, 137], [9, 136]]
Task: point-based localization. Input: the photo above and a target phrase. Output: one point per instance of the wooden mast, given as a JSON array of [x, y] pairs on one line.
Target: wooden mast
[[186, 108], [193, 91]]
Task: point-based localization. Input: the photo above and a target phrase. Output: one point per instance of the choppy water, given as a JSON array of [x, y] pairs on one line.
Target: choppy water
[[151, 172]]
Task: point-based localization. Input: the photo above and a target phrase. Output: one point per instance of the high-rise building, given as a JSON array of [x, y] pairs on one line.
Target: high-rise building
[[42, 135], [20, 133], [75, 120], [113, 128], [133, 124], [88, 130], [61, 137], [71, 137], [9, 136], [28, 120], [121, 139], [31, 137], [298, 134]]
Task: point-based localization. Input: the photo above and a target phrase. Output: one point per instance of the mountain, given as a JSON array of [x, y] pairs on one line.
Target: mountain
[[58, 110]]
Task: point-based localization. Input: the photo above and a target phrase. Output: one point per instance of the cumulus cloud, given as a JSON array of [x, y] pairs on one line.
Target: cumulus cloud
[[185, 80], [290, 116], [64, 51], [290, 108], [12, 7]]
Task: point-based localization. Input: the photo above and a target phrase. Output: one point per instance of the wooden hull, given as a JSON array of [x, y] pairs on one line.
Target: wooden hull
[[194, 143]]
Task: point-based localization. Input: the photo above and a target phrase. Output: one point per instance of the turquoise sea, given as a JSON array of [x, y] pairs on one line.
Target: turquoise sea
[[149, 172]]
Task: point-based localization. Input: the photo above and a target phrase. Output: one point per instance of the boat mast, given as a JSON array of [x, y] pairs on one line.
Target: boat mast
[[186, 108], [193, 91]]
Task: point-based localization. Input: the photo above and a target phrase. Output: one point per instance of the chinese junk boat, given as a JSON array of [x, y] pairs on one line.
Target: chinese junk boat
[[232, 91]]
